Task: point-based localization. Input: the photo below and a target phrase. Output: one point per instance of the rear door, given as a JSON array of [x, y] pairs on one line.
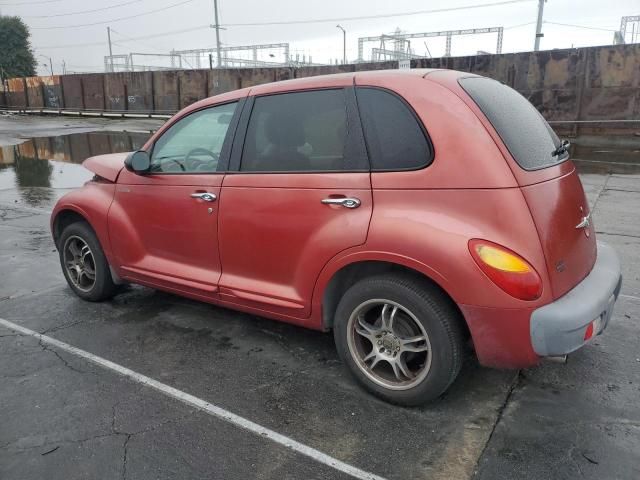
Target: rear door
[[301, 193], [549, 181]]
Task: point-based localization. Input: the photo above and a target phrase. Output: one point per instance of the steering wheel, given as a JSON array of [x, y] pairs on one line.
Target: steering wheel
[[190, 163]]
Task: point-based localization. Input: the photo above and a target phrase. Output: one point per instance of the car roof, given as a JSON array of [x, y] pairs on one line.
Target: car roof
[[322, 81], [333, 80]]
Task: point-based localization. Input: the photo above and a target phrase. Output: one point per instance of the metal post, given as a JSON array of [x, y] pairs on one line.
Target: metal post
[[447, 48], [344, 43], [110, 50], [539, 34], [499, 45], [217, 27]]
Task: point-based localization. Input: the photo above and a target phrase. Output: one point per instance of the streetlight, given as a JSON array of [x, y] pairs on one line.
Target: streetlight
[[344, 43], [50, 63]]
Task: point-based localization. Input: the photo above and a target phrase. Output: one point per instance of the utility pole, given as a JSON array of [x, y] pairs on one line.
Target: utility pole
[[344, 43], [110, 50], [50, 63], [217, 27], [539, 34], [64, 67]]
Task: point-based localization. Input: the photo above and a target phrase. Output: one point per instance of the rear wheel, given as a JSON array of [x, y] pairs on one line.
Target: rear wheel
[[400, 337], [83, 263]]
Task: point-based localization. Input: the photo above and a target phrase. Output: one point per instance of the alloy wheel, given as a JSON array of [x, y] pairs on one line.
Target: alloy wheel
[[389, 344], [79, 263]]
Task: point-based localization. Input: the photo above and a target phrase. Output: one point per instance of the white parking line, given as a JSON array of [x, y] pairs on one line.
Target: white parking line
[[200, 404]]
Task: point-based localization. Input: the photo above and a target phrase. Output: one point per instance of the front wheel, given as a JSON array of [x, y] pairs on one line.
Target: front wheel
[[83, 263], [400, 337]]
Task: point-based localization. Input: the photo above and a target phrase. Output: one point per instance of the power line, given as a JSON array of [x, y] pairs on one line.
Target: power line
[[369, 17], [581, 26], [143, 37], [170, 32], [74, 45], [128, 39], [114, 19], [30, 3], [84, 11], [519, 25]]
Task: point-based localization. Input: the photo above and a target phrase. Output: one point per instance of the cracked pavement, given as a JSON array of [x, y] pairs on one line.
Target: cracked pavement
[[62, 417]]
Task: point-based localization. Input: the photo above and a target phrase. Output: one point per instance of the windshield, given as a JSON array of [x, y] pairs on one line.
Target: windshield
[[527, 135]]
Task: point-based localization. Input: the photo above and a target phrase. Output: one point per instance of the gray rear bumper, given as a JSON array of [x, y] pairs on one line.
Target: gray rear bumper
[[559, 327]]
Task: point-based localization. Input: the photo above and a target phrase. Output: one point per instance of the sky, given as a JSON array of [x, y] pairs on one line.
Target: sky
[[185, 24]]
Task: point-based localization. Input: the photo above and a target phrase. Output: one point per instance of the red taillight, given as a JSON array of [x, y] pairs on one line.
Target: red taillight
[[506, 269], [589, 332]]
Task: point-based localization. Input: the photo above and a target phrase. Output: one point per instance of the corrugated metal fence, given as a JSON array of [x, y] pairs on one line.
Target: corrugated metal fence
[[584, 84]]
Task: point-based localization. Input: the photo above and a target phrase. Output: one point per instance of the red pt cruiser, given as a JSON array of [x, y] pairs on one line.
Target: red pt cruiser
[[405, 210]]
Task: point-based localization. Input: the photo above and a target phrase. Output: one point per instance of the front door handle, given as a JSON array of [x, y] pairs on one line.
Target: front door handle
[[206, 196], [347, 202]]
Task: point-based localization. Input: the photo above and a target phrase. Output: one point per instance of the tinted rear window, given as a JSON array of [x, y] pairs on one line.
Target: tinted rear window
[[524, 131]]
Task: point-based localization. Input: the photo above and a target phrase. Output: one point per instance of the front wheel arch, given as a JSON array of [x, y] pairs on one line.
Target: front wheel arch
[[68, 216], [63, 219]]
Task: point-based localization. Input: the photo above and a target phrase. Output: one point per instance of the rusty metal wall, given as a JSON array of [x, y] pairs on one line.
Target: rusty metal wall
[[52, 91], [139, 91], [323, 70], [166, 96], [93, 91], [129, 91], [574, 84], [193, 86], [16, 93], [595, 83], [72, 90], [35, 96]]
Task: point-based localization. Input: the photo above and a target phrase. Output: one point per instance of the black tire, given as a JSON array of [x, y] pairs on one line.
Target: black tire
[[439, 319], [103, 287]]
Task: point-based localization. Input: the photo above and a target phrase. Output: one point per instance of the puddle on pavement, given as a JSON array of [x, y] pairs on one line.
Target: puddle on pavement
[[41, 165]]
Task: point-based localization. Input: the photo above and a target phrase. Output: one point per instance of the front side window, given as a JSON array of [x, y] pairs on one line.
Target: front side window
[[193, 144], [394, 137], [301, 132]]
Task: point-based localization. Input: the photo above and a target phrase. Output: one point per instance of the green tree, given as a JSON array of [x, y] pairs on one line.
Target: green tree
[[16, 56]]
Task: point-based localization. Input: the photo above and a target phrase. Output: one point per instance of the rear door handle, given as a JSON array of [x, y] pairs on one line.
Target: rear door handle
[[347, 202], [206, 196]]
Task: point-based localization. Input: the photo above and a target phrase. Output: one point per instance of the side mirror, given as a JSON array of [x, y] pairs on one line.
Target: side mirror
[[138, 162]]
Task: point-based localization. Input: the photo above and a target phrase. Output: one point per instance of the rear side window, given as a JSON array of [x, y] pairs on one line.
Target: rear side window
[[524, 131], [302, 132], [395, 139]]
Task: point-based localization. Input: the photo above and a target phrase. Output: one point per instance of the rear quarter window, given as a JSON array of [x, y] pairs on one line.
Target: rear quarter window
[[524, 131], [395, 138]]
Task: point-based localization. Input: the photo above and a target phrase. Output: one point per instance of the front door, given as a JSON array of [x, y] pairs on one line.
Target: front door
[[163, 225], [301, 194]]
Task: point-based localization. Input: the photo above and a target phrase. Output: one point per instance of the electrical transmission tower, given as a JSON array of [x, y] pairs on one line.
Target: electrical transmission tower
[[397, 46], [629, 30]]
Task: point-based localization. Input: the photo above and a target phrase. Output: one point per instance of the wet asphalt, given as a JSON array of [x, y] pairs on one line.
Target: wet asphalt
[[62, 417]]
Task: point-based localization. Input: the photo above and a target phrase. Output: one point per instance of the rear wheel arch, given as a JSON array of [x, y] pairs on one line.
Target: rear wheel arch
[[353, 272]]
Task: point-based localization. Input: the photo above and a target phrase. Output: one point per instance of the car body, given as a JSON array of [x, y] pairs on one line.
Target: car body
[[403, 172]]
